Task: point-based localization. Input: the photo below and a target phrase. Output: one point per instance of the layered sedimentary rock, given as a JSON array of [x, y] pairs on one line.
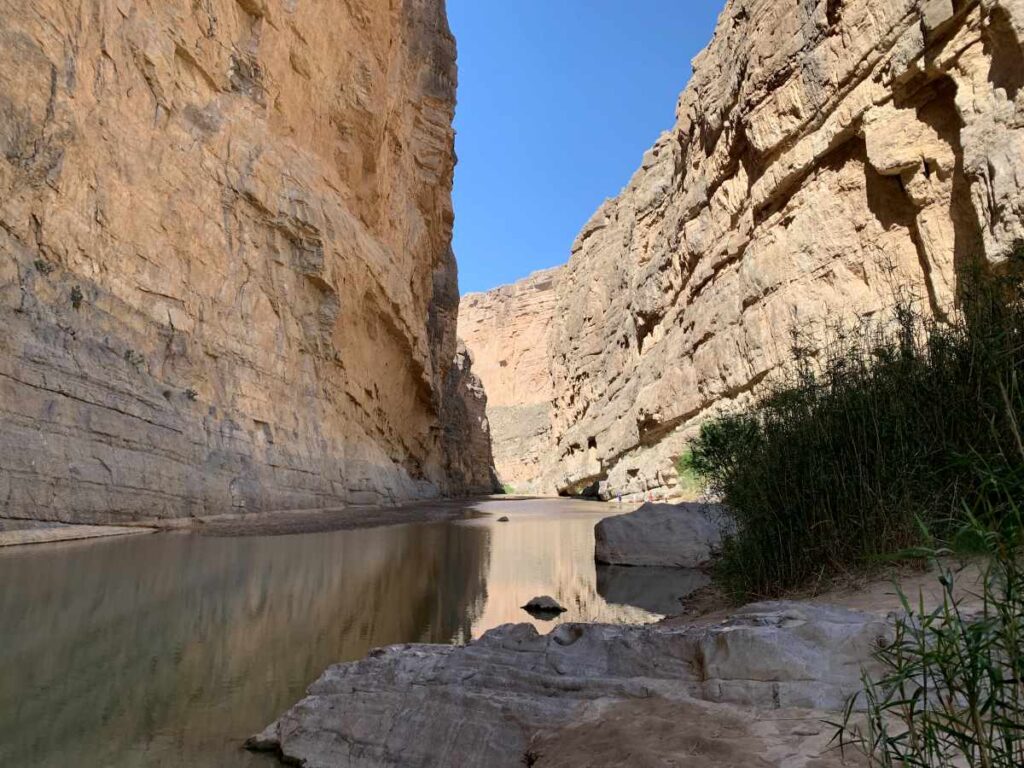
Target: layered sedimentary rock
[[225, 269], [825, 154], [507, 330], [467, 433]]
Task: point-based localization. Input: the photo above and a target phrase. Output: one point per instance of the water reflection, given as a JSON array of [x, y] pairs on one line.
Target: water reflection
[[658, 590], [171, 649]]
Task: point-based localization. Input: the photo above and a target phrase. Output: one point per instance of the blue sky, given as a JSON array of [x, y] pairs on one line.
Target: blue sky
[[558, 101]]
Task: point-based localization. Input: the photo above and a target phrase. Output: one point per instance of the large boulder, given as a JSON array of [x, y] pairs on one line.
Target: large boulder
[[678, 535], [489, 703]]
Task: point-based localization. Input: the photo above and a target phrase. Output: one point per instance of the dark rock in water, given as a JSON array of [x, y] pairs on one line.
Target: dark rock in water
[[654, 589], [544, 608], [503, 519]]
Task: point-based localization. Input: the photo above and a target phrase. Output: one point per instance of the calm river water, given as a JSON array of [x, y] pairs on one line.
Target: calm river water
[[171, 649]]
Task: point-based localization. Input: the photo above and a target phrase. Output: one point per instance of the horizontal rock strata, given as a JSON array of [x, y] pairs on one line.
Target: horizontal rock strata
[[515, 695], [507, 330], [226, 280]]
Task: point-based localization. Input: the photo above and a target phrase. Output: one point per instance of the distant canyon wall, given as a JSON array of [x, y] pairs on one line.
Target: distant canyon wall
[[824, 154], [226, 279], [507, 331]]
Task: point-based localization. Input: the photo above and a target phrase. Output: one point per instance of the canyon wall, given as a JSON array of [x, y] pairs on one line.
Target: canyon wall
[[226, 278], [507, 330], [824, 154], [827, 154]]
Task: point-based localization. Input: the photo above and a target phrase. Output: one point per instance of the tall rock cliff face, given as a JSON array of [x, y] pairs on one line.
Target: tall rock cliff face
[[507, 330], [226, 280], [467, 431], [824, 152]]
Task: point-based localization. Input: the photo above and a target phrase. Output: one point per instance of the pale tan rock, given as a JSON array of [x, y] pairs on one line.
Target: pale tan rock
[[507, 329], [226, 280], [824, 154]]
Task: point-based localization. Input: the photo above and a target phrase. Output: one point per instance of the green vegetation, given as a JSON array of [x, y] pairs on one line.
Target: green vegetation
[[894, 428], [508, 490], [691, 485], [76, 297], [951, 692], [43, 267]]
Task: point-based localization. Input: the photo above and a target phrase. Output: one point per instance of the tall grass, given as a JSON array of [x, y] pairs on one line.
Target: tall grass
[[892, 424], [951, 691]]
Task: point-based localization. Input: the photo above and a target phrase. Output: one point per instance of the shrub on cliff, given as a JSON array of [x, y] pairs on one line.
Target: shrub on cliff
[[889, 426]]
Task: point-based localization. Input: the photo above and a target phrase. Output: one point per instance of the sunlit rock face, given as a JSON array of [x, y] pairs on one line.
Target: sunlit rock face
[[226, 280], [508, 332], [824, 154]]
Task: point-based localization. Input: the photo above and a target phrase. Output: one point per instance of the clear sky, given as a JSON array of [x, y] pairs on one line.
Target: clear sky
[[558, 101]]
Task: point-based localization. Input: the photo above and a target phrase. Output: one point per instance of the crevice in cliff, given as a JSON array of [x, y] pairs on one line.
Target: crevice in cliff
[[1003, 48], [890, 204], [842, 147]]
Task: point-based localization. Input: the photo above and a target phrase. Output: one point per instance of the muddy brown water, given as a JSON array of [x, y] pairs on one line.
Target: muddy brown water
[[171, 649]]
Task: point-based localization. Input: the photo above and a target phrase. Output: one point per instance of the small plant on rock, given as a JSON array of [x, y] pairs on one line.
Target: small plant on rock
[[134, 358], [76, 297], [43, 267]]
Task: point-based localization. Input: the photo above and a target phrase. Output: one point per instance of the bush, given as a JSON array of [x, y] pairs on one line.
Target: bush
[[691, 485], [951, 691], [890, 425]]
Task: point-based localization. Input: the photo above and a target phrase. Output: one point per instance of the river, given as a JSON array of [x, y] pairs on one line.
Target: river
[[171, 649]]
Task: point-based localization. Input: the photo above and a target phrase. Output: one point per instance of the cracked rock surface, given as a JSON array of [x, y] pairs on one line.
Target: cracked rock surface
[[226, 279], [825, 154], [761, 674]]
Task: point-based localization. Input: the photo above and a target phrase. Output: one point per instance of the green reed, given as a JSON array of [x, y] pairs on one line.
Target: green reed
[[878, 430]]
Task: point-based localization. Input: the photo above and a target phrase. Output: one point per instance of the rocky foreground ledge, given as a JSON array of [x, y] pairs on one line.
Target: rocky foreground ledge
[[591, 694]]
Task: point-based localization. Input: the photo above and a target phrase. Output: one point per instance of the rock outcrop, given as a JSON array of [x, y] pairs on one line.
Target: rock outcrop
[[497, 700], [507, 330], [826, 154], [467, 432], [226, 280], [674, 535]]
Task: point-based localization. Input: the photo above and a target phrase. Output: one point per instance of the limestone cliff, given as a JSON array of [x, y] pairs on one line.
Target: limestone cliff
[[507, 330], [467, 431], [824, 152], [225, 269]]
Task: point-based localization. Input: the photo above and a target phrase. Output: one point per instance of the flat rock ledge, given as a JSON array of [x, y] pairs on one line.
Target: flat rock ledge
[[516, 697], [675, 535], [17, 533]]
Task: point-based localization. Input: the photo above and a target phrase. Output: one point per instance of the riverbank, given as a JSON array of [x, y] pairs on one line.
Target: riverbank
[[17, 533]]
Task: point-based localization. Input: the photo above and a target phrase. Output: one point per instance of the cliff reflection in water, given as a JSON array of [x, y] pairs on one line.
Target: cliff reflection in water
[[171, 649], [144, 650]]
